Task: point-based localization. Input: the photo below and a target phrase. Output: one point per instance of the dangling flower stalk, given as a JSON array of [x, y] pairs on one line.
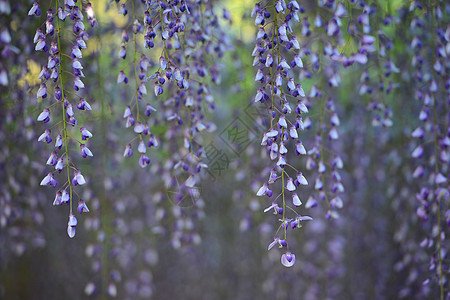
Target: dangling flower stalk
[[276, 142], [433, 110], [322, 128], [51, 71], [135, 68], [436, 157], [63, 97]]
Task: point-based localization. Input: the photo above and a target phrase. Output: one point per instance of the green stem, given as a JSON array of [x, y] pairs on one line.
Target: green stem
[[65, 133], [162, 30], [274, 30], [436, 158], [377, 34], [282, 129], [190, 131], [284, 205], [322, 126], [104, 207], [134, 64]]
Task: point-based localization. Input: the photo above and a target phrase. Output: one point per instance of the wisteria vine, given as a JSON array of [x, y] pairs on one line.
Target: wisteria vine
[[54, 70], [332, 79], [273, 73]]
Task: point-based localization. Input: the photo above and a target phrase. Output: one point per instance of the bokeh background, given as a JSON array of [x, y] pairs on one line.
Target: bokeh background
[[378, 247]]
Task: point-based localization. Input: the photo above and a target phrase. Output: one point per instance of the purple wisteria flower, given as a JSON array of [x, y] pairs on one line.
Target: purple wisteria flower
[[71, 225], [277, 240], [45, 136], [44, 116], [65, 197], [85, 134], [34, 10], [78, 178], [288, 259], [85, 152], [82, 207], [49, 180]]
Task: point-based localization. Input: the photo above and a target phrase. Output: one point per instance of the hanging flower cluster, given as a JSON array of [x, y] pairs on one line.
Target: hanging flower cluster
[[432, 149], [323, 67], [20, 196], [374, 21], [193, 64], [183, 36], [275, 55], [48, 39], [328, 185], [134, 118], [7, 49]]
